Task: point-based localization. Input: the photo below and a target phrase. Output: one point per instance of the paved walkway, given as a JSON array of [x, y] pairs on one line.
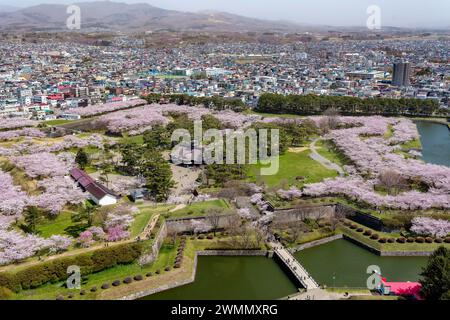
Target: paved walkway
[[317, 294], [324, 161]]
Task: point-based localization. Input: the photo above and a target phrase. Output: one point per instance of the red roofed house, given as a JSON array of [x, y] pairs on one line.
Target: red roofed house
[[405, 289], [98, 192]]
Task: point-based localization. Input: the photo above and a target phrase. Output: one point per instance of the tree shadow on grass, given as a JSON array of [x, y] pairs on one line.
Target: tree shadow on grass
[[75, 230]]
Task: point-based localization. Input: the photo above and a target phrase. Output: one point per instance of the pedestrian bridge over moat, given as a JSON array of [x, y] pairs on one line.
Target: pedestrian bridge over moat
[[296, 269]]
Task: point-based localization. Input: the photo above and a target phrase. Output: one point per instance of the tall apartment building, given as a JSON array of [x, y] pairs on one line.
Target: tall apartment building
[[402, 73]]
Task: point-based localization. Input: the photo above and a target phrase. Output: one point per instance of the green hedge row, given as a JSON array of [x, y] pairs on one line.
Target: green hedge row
[[56, 270]]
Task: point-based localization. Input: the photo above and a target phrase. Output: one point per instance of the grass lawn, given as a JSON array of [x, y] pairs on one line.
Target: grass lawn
[[199, 208], [413, 144], [56, 122], [305, 237], [49, 227], [294, 165], [139, 139]]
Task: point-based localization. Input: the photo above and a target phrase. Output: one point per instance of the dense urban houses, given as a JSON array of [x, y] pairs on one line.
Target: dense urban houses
[[163, 155]]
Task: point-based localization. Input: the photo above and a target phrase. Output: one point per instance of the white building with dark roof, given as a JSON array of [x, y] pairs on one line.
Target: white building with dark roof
[[98, 193]]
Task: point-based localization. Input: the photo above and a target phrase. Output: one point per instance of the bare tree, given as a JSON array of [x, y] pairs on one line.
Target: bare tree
[[332, 116], [233, 223], [259, 236], [320, 212], [245, 237], [300, 212], [296, 230], [213, 217], [392, 180], [339, 215], [324, 125], [234, 189]]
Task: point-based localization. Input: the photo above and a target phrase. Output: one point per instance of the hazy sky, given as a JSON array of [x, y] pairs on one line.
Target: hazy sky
[[405, 13]]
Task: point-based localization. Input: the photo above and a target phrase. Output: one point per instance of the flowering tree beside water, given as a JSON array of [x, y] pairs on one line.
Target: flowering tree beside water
[[430, 227]]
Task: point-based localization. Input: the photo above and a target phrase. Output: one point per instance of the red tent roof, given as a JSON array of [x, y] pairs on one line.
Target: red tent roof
[[404, 288]]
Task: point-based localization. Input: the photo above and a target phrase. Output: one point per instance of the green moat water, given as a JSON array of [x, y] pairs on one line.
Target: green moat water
[[238, 278], [261, 278], [347, 263], [435, 140]]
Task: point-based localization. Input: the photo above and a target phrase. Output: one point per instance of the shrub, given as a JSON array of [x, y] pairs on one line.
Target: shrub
[[429, 240], [397, 221], [158, 271], [410, 239], [8, 280], [210, 237], [138, 277], [82, 292], [447, 240], [391, 240], [420, 240], [116, 283], [438, 240], [167, 268], [359, 230], [374, 236], [177, 265], [94, 289], [59, 297], [127, 280], [347, 223], [5, 293], [148, 274], [201, 237], [70, 296], [401, 240], [105, 286], [367, 233], [382, 240], [353, 226]]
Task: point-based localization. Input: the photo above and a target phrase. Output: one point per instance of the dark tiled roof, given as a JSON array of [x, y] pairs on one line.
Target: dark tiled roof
[[94, 188], [77, 173]]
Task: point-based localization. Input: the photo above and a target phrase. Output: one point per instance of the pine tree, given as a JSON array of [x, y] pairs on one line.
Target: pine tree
[[82, 159], [158, 175], [31, 218], [436, 276]]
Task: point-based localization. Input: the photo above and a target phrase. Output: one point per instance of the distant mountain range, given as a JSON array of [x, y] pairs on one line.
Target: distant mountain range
[[115, 16], [5, 8], [108, 16]]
